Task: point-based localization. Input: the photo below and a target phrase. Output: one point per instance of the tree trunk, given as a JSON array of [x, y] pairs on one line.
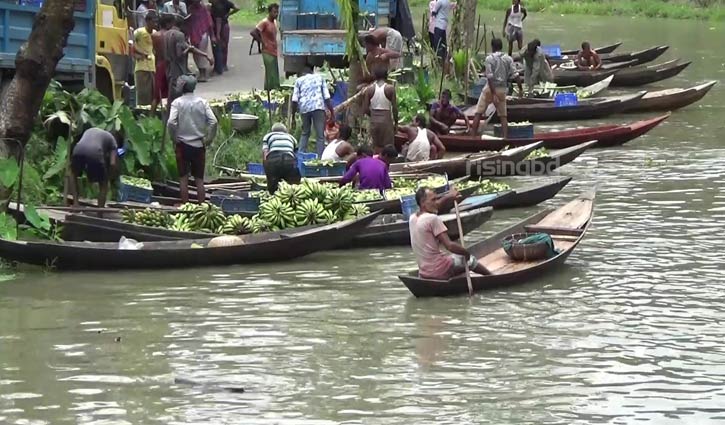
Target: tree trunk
[[35, 65], [469, 23]]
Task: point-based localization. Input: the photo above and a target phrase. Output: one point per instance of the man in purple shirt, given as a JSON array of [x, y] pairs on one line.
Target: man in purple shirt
[[373, 172]]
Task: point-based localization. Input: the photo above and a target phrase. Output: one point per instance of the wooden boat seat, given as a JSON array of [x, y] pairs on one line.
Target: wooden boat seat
[[535, 228]]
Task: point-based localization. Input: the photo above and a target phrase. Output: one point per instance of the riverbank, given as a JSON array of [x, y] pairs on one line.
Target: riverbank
[[676, 9]]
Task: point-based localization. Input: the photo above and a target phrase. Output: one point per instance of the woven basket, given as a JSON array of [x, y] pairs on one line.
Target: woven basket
[[524, 252]]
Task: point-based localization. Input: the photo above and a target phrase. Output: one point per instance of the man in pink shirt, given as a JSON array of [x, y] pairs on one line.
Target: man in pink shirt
[[428, 233]]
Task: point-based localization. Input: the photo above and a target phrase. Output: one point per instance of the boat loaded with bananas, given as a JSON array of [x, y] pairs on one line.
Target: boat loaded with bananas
[[507, 256]]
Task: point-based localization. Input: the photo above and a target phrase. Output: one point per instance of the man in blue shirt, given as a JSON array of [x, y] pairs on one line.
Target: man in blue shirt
[[310, 97], [442, 13]]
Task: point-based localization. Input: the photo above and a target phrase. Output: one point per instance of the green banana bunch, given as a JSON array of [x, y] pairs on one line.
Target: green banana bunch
[[359, 210], [339, 199], [310, 212], [277, 213], [207, 217], [128, 215], [235, 225], [181, 223], [152, 218], [367, 195], [137, 182], [258, 225]]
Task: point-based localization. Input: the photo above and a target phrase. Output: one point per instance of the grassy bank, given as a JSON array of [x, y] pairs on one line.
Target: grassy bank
[[676, 9]]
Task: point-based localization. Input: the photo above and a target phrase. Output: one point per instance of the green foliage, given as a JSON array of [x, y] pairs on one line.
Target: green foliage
[[9, 172], [349, 10]]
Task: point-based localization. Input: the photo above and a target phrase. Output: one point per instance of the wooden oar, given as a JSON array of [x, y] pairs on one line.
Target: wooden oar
[[465, 260]]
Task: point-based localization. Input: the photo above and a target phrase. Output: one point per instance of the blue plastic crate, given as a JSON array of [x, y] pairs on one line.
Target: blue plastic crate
[[552, 50], [255, 168], [234, 107], [235, 204], [408, 206], [314, 171], [565, 99], [515, 132], [126, 192], [303, 157]]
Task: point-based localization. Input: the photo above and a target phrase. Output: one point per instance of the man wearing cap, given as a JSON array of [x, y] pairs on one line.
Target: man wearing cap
[[192, 125], [280, 162]]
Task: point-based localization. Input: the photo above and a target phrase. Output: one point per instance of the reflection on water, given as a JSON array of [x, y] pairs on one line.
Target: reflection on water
[[629, 331]]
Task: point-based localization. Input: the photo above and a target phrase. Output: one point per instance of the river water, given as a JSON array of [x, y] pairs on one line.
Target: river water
[[630, 331]]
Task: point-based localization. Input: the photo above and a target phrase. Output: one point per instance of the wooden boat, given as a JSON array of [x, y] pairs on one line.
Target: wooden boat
[[641, 75], [544, 165], [601, 50], [475, 165], [527, 196], [263, 247], [567, 226], [595, 108], [392, 229], [392, 206], [606, 135], [671, 99], [580, 78], [631, 58]]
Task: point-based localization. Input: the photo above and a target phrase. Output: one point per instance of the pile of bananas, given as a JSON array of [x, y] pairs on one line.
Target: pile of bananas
[[136, 182], [147, 217], [321, 163], [236, 225], [205, 217], [398, 193], [367, 195], [305, 204], [433, 182]]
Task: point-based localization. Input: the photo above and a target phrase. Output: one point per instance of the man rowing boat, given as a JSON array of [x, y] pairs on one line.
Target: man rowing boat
[[428, 233]]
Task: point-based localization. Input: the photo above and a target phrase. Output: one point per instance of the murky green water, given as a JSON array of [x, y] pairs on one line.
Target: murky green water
[[629, 332]]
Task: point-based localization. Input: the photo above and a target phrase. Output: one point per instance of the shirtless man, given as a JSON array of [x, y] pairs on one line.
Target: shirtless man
[[588, 59], [423, 144], [377, 57], [390, 39], [381, 105]]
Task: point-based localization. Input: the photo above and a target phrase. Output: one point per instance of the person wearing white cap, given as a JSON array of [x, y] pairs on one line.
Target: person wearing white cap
[[280, 163], [192, 125]]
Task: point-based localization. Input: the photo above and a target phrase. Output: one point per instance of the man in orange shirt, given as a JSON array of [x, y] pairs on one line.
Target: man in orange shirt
[[266, 35]]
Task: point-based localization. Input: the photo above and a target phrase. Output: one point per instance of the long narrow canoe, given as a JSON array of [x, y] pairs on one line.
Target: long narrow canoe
[[263, 247], [545, 165], [477, 165], [641, 75], [601, 50], [392, 229], [542, 112], [606, 135], [631, 58], [527, 196], [567, 226], [580, 78], [671, 99]]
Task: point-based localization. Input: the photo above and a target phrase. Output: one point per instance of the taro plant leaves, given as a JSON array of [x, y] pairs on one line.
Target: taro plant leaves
[[60, 158], [8, 227], [37, 220], [9, 172]]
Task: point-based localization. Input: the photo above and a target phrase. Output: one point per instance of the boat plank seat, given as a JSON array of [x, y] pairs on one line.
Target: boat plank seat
[[565, 231], [573, 215]]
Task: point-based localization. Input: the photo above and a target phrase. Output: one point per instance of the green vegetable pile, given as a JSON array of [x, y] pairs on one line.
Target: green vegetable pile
[[485, 186], [405, 187], [137, 182], [367, 195], [520, 124], [322, 163], [538, 153]]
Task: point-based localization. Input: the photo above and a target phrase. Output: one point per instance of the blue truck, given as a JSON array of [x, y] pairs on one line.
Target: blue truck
[[311, 32], [78, 64]]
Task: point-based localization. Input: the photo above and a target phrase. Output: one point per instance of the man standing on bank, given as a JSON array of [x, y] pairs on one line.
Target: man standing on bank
[[513, 25], [192, 125], [266, 35], [145, 69], [310, 97]]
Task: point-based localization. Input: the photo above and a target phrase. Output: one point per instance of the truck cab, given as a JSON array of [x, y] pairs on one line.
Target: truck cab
[[97, 53], [311, 32]]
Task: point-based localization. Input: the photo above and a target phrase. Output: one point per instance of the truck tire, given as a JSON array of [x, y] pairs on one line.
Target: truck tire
[[104, 84]]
